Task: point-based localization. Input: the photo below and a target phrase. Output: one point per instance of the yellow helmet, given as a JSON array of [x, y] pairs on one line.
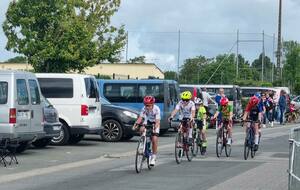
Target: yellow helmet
[[186, 95]]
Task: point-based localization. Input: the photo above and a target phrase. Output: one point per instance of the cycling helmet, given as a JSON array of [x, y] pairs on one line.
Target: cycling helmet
[[149, 100], [254, 100], [224, 101], [198, 101], [186, 95]]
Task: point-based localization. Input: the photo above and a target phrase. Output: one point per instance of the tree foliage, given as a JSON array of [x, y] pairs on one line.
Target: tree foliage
[[17, 59], [170, 75], [64, 35], [137, 60]]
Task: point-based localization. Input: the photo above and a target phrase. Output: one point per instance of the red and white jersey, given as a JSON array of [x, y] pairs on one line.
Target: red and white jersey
[[150, 115]]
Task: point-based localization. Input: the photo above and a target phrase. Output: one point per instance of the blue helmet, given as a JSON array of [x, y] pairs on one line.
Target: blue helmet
[[257, 94]]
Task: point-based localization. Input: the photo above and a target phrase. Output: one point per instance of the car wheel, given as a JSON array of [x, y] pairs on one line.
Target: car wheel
[[41, 143], [74, 139], [112, 131], [63, 137]]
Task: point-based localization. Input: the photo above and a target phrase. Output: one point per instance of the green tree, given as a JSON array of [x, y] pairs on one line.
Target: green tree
[[64, 35], [17, 59], [257, 65], [136, 60], [170, 75], [291, 69]]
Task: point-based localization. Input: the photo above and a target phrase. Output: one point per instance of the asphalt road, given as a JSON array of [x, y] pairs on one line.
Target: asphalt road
[[93, 164]]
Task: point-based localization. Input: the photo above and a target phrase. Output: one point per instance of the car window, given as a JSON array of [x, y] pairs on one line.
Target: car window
[[3, 92], [22, 93], [91, 88], [120, 92], [155, 90], [56, 87], [34, 92]]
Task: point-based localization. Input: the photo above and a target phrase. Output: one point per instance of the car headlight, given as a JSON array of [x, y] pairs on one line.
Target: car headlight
[[130, 114]]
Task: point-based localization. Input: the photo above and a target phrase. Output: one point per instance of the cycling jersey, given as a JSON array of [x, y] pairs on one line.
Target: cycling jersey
[[185, 108], [254, 111], [225, 111], [150, 115], [201, 113]]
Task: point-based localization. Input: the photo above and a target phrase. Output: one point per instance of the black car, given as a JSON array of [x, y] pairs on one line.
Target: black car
[[117, 122]]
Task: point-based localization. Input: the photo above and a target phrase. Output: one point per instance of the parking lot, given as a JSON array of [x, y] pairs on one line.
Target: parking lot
[[93, 163]]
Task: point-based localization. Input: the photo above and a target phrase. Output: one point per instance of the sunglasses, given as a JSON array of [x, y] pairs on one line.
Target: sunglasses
[[185, 100], [149, 105]]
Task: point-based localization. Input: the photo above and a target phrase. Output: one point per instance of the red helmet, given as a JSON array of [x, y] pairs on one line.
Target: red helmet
[[149, 100], [224, 101], [254, 100]]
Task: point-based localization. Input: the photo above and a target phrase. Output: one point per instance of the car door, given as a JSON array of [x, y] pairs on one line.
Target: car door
[[23, 107], [36, 107]]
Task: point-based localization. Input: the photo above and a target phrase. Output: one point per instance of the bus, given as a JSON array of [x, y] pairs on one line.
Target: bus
[[248, 91], [232, 92], [130, 93]]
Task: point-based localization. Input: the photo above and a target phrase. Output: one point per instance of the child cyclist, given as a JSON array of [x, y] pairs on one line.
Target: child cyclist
[[187, 112], [151, 115], [201, 122], [226, 111]]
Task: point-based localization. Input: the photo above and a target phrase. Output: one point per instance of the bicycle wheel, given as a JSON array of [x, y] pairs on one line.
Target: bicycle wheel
[[178, 148], [219, 143], [148, 163], [247, 145], [196, 145], [227, 146], [189, 150], [140, 157]]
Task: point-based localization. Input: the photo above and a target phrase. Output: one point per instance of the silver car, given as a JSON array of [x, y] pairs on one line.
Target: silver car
[[52, 126]]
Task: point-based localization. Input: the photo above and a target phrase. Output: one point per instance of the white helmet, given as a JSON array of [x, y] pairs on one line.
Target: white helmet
[[198, 101]]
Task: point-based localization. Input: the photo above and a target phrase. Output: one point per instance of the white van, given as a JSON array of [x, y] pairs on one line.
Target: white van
[[21, 114], [76, 98]]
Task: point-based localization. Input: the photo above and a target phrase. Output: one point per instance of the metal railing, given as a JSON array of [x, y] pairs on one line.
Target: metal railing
[[294, 161]]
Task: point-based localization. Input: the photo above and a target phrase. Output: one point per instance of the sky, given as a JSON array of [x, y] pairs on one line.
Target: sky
[[206, 28]]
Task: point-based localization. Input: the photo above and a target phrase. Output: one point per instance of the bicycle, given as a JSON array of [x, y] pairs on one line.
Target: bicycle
[[221, 141], [181, 142], [143, 151], [249, 140], [198, 140]]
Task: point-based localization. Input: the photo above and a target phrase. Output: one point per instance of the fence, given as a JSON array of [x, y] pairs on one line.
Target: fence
[[294, 163]]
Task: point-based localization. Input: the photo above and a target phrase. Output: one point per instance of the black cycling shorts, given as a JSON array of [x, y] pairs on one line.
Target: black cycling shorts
[[199, 124]]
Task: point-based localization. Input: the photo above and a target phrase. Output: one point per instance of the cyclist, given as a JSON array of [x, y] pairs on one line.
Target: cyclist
[[187, 111], [150, 115], [201, 122], [254, 111], [226, 112]]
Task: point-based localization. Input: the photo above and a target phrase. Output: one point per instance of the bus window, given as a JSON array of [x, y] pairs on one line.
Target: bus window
[[155, 90], [120, 93]]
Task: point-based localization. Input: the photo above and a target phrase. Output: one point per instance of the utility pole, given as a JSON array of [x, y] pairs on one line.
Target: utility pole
[[263, 56], [178, 54], [237, 55], [278, 53], [273, 60]]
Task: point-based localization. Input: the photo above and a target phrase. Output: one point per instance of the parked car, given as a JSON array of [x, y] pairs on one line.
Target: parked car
[[117, 122], [52, 126], [76, 98], [21, 112]]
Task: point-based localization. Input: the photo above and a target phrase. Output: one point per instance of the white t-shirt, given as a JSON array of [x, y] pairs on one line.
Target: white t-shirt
[[151, 115], [185, 108]]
